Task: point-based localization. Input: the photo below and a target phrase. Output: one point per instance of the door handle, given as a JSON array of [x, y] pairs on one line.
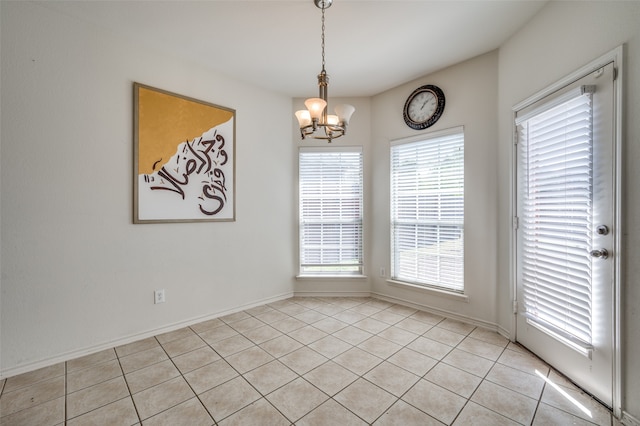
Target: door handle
[[602, 253]]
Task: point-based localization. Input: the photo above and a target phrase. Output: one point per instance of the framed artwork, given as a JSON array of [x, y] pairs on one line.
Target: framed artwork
[[184, 158]]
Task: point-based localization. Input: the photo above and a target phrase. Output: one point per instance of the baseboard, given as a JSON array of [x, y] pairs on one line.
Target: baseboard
[[438, 311], [504, 333], [332, 294], [25, 368], [154, 332], [628, 420], [431, 309]]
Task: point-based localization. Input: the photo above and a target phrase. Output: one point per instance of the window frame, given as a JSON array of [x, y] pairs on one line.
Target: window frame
[[332, 270], [416, 281]]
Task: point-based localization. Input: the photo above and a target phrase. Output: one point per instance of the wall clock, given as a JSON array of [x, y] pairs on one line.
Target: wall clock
[[423, 107]]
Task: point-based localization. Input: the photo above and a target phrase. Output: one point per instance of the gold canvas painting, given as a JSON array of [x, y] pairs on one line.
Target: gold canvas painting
[[184, 158]]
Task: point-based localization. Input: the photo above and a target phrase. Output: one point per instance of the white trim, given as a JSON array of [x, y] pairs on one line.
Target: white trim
[[513, 242], [331, 148], [67, 356], [618, 60], [150, 333], [580, 348], [558, 100], [504, 333], [437, 311], [331, 294], [613, 56], [461, 297], [428, 135], [628, 420], [331, 277]]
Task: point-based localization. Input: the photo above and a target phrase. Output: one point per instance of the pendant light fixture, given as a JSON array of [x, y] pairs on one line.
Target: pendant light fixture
[[314, 121]]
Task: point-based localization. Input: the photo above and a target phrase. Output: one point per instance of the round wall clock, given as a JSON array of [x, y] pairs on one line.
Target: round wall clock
[[423, 107]]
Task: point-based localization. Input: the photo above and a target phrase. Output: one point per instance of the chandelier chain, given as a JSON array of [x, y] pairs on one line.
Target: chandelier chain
[[316, 118], [323, 7]]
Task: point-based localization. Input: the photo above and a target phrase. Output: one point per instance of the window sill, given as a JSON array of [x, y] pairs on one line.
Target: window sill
[[330, 277], [430, 290]]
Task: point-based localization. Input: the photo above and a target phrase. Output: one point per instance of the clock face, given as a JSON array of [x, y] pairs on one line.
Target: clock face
[[424, 107]]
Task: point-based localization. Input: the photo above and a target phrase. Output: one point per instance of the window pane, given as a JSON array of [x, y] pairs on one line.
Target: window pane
[[330, 211], [555, 154], [427, 211]]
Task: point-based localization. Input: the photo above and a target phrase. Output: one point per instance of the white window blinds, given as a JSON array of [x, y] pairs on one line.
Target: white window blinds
[[427, 211], [330, 211], [555, 157]]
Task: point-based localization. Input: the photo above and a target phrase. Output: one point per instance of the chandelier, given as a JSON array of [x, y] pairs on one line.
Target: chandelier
[[315, 118]]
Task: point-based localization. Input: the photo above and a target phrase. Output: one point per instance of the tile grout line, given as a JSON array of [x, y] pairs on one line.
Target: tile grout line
[[66, 384], [242, 375], [539, 401], [424, 376], [482, 378], [361, 376], [300, 376], [124, 377], [478, 387], [185, 379]]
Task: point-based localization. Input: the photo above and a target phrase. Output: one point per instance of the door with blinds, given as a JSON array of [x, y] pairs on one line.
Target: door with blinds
[[565, 222]]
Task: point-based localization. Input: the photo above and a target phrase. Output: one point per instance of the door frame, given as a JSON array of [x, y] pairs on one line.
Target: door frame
[[616, 56]]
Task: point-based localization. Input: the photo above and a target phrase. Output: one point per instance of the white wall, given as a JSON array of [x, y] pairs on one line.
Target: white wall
[[470, 90], [76, 273], [563, 37]]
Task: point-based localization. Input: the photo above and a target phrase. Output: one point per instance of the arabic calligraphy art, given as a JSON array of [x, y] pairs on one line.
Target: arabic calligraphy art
[[184, 161]]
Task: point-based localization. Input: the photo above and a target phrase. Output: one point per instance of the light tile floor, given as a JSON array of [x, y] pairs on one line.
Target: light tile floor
[[305, 361]]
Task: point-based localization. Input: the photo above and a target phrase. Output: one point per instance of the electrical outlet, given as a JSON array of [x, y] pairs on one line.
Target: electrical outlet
[[383, 273], [158, 296]]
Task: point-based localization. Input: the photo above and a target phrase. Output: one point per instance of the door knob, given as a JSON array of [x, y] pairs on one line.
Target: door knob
[[602, 253]]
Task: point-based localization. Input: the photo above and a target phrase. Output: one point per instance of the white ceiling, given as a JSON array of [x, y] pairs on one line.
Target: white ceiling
[[371, 46]]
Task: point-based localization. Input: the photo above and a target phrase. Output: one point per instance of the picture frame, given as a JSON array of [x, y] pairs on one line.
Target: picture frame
[[184, 158]]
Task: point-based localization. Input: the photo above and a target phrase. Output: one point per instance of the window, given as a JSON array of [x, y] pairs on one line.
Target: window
[[427, 210], [556, 159], [330, 211]]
